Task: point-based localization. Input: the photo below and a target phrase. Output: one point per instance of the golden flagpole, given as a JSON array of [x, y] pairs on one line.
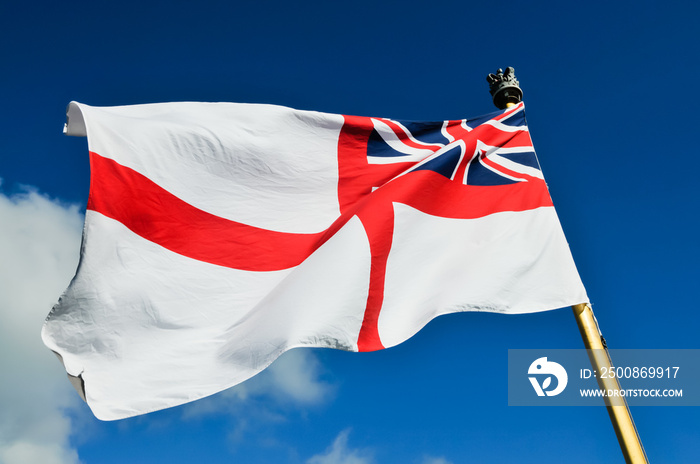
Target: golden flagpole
[[619, 412], [506, 92]]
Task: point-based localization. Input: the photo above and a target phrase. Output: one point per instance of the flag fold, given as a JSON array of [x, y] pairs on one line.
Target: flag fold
[[219, 235]]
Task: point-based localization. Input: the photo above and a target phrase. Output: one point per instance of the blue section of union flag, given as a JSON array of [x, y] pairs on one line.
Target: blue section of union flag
[[498, 155]]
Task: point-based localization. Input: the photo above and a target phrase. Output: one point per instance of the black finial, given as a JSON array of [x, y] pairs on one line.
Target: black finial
[[504, 88]]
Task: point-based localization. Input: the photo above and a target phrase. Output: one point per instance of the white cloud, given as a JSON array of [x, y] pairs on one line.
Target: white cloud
[[339, 453], [296, 376], [39, 247], [27, 452], [294, 379], [435, 460]]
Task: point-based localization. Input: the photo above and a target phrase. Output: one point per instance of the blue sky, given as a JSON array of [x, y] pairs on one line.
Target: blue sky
[[609, 90]]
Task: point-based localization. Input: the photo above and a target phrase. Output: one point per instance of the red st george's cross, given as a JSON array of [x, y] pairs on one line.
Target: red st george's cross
[[460, 169]]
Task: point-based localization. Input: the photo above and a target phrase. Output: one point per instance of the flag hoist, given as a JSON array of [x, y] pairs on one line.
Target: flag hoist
[[506, 92]]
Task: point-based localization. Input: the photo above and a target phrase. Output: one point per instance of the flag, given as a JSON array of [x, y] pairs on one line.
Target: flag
[[219, 235]]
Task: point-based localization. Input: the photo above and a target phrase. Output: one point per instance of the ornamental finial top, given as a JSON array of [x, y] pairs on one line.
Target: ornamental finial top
[[504, 88]]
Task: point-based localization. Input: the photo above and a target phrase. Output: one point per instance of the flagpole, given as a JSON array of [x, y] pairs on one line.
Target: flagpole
[[619, 412], [506, 92]]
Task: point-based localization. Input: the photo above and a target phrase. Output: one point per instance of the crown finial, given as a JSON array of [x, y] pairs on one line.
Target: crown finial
[[504, 88]]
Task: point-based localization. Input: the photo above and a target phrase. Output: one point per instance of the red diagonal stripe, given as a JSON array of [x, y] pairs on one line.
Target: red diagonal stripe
[[155, 214]]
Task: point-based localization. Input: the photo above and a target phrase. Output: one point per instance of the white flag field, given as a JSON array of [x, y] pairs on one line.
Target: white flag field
[[219, 235]]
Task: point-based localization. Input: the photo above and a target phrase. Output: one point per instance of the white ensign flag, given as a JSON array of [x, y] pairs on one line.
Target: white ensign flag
[[219, 235]]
